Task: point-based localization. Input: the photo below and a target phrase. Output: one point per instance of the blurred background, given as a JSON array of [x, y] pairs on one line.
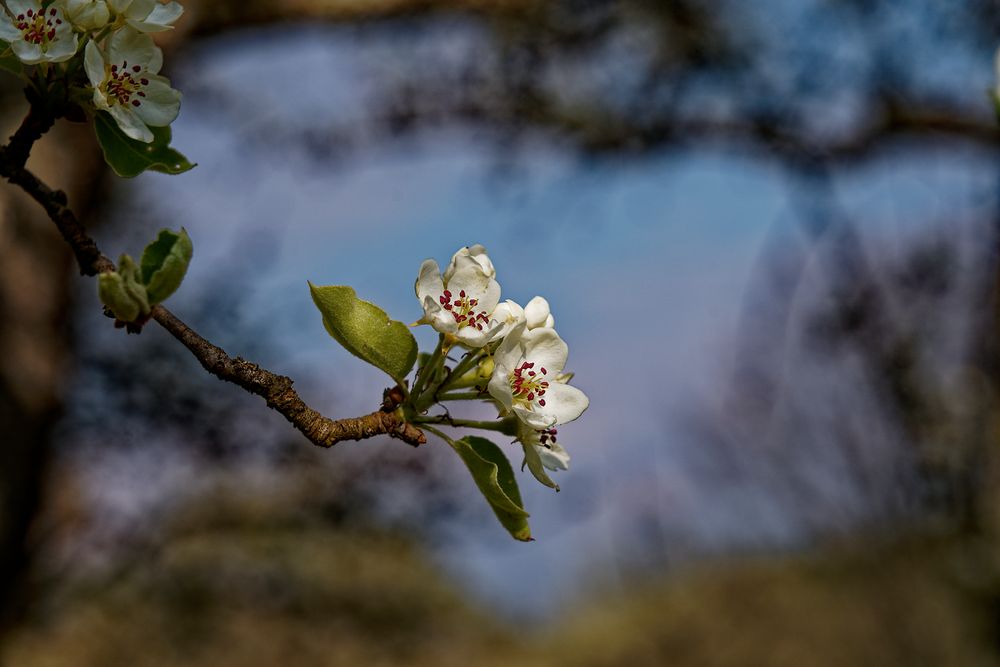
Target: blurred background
[[768, 231]]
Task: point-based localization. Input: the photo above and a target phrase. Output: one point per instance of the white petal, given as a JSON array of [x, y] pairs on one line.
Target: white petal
[[511, 352], [554, 457], [429, 283], [127, 45], [8, 32], [138, 10], [165, 14], [499, 386], [93, 61], [30, 54], [119, 6], [545, 349], [63, 47], [533, 418], [536, 312], [470, 278], [564, 402], [18, 7], [131, 124], [162, 103], [476, 252], [509, 314]]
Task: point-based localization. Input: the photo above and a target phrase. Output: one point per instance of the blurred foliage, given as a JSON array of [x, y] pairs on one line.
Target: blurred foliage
[[253, 579]]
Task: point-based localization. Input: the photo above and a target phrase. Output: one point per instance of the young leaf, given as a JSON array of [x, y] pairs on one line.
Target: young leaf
[[9, 61], [164, 263], [495, 478], [365, 330], [129, 157]]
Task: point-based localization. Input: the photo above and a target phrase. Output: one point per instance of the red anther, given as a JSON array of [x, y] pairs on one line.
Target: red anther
[[52, 11], [52, 34], [531, 373], [31, 13], [141, 94], [462, 294], [114, 69], [447, 294], [135, 103], [136, 69], [144, 82], [544, 372], [531, 396], [541, 402], [58, 21]]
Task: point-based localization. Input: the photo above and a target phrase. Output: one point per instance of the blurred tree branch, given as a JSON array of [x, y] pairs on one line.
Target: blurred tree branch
[[275, 389]]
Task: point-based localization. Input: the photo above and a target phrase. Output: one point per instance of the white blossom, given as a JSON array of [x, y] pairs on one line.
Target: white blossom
[[127, 84], [461, 304], [37, 35], [524, 378], [146, 15], [87, 15]]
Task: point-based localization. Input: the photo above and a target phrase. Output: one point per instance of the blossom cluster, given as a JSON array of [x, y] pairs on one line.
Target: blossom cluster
[[526, 377], [121, 62]]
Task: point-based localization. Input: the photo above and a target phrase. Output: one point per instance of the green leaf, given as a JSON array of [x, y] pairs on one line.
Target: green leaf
[[164, 263], [365, 330], [129, 157], [495, 478], [534, 462], [9, 61], [122, 292]]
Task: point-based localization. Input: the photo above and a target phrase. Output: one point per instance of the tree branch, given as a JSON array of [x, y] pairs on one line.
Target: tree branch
[[275, 389]]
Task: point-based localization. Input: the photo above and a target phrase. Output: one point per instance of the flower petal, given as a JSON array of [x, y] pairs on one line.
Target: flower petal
[[546, 349], [554, 457], [93, 61], [536, 312], [131, 46], [470, 278], [131, 124], [429, 283], [161, 105], [565, 402]]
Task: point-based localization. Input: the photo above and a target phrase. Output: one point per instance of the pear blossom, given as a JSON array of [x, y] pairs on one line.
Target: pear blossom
[[476, 252], [541, 452], [523, 382], [537, 314], [127, 84], [461, 304], [37, 35], [87, 15], [146, 15]]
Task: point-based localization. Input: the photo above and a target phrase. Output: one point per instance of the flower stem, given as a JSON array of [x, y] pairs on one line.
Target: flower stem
[[463, 396], [426, 370], [438, 434], [460, 369], [466, 423]]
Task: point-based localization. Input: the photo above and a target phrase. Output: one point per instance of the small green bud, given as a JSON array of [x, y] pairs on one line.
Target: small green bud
[[122, 292], [485, 368]]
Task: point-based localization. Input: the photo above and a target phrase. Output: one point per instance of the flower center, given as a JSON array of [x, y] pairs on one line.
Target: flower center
[[527, 385], [38, 27], [463, 309], [123, 87]]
